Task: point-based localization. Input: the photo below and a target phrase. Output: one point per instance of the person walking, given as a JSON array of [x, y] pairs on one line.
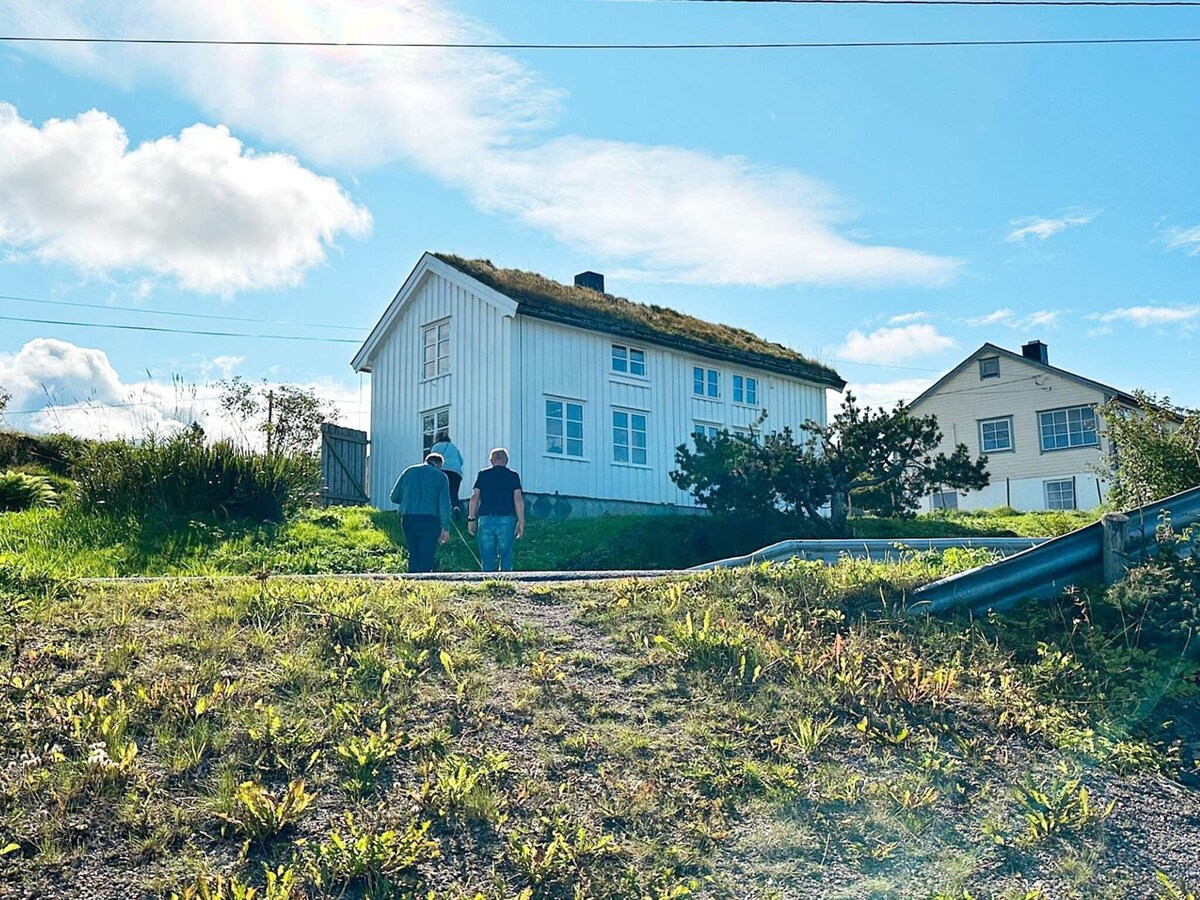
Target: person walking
[[452, 466], [497, 512], [423, 494]]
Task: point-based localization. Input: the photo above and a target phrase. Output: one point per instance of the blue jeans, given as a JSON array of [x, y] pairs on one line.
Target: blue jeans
[[496, 535]]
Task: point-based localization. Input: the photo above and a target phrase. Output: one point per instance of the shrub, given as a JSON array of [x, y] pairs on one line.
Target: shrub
[[21, 491], [185, 476]]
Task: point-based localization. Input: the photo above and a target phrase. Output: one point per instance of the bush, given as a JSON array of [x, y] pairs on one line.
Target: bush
[[1161, 598], [20, 491], [52, 453], [184, 476]]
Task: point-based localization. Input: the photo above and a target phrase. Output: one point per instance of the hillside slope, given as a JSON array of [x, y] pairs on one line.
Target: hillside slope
[[774, 733]]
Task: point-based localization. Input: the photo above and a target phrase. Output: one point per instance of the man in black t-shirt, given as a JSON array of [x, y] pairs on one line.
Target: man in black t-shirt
[[497, 512]]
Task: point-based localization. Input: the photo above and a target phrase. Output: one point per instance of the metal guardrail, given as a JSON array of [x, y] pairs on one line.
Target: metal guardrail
[[1046, 571], [880, 550]]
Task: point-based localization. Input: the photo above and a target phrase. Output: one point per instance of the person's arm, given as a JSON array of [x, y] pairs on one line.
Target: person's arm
[[397, 491], [444, 506], [519, 504], [472, 511]]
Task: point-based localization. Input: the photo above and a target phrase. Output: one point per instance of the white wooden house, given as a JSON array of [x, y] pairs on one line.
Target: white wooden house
[[589, 392], [1039, 426]]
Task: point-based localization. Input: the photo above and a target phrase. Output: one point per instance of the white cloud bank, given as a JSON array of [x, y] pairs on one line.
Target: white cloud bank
[[478, 120], [1186, 317], [59, 386], [1185, 239], [198, 208], [1042, 318], [893, 345], [883, 393], [1042, 228]]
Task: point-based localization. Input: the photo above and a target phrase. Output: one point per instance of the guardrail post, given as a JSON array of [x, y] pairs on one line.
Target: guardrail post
[[1116, 546]]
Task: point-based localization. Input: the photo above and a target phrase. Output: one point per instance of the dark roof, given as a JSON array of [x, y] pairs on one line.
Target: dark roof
[[544, 298], [1117, 393]]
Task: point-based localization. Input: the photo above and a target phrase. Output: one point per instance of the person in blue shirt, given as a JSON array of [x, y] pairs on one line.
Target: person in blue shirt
[[452, 466], [497, 512], [423, 494]]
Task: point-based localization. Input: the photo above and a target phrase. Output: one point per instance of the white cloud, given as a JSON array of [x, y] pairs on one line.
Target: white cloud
[[884, 393], [478, 120], [1042, 318], [198, 207], [59, 386], [905, 318], [1185, 239], [891, 345], [1042, 228], [1186, 317]]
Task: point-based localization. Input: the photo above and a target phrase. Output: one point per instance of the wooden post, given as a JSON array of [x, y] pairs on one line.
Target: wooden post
[[1116, 543]]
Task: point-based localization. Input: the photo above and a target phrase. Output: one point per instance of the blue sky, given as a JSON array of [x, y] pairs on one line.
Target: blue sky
[[885, 210]]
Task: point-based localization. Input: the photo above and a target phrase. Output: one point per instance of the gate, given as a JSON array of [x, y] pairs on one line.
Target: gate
[[343, 466]]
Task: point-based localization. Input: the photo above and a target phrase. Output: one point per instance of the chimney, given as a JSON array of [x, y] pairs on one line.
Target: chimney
[[1036, 351], [593, 281]]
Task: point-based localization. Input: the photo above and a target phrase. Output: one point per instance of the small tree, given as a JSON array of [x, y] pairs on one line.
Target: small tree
[[289, 416], [1157, 449], [885, 460], [5, 396]]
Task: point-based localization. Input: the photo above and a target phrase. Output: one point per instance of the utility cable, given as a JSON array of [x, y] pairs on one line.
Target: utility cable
[[168, 312], [1118, 3], [156, 329], [499, 45]]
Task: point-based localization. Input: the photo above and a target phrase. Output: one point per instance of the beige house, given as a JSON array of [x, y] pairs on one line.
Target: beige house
[[1039, 426]]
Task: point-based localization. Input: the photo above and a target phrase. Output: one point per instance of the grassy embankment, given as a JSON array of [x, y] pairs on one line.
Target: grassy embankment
[[70, 542], [779, 732]]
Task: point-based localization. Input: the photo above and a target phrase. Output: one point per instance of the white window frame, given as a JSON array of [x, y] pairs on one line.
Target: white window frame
[[710, 429], [1008, 423], [429, 438], [744, 389], [1060, 494], [629, 444], [1066, 412], [564, 437], [988, 362], [937, 500], [435, 364], [628, 350], [709, 380]]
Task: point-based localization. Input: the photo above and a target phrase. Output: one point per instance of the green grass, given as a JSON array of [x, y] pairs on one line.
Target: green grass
[[772, 732], [70, 542]]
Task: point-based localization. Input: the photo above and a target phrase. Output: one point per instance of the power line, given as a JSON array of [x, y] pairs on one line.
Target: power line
[[749, 45], [187, 315], [1123, 3], [92, 404], [241, 334]]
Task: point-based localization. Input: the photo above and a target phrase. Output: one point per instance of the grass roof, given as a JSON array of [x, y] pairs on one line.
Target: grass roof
[[544, 298]]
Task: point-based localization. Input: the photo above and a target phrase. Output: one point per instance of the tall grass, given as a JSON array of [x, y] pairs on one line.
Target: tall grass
[[184, 476]]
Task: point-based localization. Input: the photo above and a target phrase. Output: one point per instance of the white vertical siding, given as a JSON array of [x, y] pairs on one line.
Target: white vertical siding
[[475, 388], [574, 364]]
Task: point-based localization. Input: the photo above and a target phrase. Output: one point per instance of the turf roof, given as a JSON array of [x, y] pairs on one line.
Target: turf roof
[[544, 298]]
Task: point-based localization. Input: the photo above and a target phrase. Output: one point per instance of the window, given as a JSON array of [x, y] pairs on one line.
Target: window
[[706, 382], [995, 435], [705, 429], [748, 433], [990, 367], [629, 360], [1060, 494], [432, 422], [944, 500], [1074, 426], [629, 437], [564, 428], [745, 389], [436, 358]]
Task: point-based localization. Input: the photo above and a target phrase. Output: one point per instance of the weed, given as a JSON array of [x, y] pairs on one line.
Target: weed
[[1058, 804], [363, 757], [257, 814], [557, 851], [360, 855], [1171, 889]]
